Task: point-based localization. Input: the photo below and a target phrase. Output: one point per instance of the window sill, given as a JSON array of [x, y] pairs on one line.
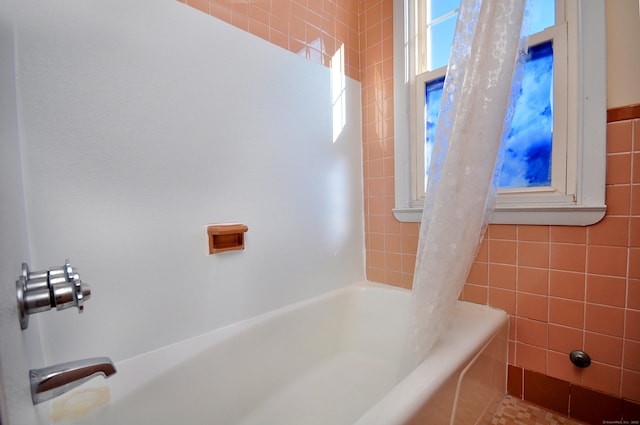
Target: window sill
[[565, 215]]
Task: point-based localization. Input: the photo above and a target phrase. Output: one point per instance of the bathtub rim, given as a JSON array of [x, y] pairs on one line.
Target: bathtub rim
[[411, 392]]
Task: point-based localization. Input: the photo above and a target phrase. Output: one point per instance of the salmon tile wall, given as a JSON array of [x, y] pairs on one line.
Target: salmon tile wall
[[390, 245], [365, 28], [315, 29], [564, 288], [569, 288]]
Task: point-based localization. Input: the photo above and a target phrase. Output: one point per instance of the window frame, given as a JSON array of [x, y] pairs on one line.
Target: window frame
[[576, 196]]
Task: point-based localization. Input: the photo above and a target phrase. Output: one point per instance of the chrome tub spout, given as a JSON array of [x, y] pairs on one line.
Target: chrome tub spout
[[52, 381]]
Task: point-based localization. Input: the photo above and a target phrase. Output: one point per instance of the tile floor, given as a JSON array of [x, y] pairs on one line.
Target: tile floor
[[513, 411]]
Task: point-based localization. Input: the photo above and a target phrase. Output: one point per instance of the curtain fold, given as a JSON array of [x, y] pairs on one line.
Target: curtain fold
[[483, 79]]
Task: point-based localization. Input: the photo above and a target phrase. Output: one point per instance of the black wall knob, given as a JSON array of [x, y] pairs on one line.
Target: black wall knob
[[579, 358]]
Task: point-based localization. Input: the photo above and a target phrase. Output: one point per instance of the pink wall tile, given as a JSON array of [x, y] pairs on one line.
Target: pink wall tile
[[565, 284], [532, 332], [531, 357], [635, 199], [502, 251], [565, 339], [568, 234], [533, 233], [533, 254], [633, 294], [618, 168], [604, 319], [483, 250], [632, 325], [479, 273], [607, 290], [502, 276], [619, 137], [634, 263], [566, 312], [569, 257], [630, 384], [504, 299], [511, 355], [533, 280], [634, 231], [560, 367], [503, 231], [608, 260], [604, 348], [618, 199], [475, 293], [603, 377], [611, 230], [631, 358], [533, 306]]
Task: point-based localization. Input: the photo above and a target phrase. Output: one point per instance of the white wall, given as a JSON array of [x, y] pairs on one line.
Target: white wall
[[623, 54], [18, 349], [142, 122]]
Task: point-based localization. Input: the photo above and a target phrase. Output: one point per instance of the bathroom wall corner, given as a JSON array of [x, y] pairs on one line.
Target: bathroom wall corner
[[19, 349]]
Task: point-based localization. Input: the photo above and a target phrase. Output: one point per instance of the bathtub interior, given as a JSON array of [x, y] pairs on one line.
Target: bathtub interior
[[327, 360]]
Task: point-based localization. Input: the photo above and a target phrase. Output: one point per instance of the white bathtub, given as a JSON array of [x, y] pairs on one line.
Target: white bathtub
[[330, 360]]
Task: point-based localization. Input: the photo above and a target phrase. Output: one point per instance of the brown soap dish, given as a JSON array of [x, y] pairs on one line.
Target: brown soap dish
[[226, 237]]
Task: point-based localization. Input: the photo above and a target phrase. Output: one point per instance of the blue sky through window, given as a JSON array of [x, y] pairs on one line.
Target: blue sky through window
[[527, 158], [433, 97], [542, 15], [441, 41], [440, 8], [441, 26]]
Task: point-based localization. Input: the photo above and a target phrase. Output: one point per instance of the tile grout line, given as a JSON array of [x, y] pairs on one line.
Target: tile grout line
[[626, 301]]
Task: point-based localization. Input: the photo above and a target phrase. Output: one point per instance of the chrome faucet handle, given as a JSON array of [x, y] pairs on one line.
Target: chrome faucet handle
[[59, 287], [52, 381], [69, 291]]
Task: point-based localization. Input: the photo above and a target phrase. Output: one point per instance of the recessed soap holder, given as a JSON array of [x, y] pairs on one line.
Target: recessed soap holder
[[226, 237]]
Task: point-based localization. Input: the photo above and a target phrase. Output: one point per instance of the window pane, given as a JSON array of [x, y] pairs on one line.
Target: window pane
[[527, 158], [543, 15], [438, 8], [433, 95], [440, 38]]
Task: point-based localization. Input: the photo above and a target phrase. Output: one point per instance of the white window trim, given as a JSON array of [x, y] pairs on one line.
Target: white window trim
[[586, 127]]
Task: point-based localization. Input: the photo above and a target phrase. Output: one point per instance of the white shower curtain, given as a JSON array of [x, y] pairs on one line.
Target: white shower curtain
[[475, 115]]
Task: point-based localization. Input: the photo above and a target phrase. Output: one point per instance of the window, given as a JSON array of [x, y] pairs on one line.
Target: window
[[554, 170]]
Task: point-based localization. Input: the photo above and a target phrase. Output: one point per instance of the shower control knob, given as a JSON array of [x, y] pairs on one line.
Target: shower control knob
[[70, 293], [59, 287]]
